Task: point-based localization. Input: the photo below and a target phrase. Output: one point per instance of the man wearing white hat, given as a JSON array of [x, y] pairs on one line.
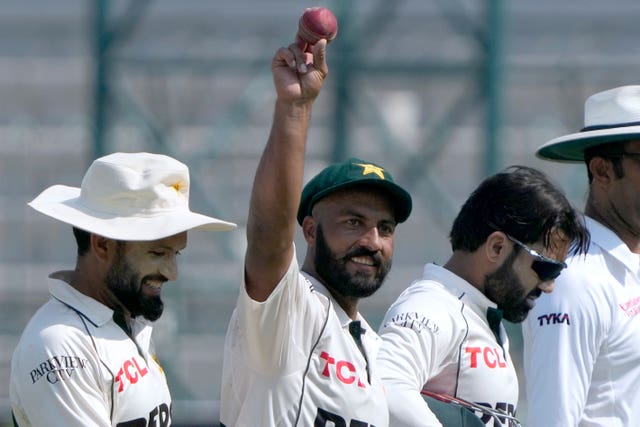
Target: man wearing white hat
[[582, 342], [85, 358]]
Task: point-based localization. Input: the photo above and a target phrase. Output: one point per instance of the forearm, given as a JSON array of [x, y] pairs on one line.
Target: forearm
[[298, 77], [278, 180], [275, 197]]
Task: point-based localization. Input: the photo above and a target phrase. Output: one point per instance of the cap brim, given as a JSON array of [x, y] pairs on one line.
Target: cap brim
[[402, 199], [570, 148], [63, 203]]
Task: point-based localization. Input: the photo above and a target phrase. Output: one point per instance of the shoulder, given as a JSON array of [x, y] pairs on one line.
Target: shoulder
[[426, 306], [426, 296], [54, 329], [586, 284]]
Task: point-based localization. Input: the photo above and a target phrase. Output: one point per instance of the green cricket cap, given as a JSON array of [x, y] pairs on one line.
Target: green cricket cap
[[352, 173]]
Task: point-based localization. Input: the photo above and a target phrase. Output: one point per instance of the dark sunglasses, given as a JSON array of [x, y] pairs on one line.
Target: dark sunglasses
[[546, 268]]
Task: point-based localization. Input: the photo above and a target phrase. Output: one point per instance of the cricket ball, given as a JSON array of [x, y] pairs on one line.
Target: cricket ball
[[317, 23]]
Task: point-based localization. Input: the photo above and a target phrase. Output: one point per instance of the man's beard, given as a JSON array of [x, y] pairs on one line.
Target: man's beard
[[505, 289], [335, 275], [126, 285]]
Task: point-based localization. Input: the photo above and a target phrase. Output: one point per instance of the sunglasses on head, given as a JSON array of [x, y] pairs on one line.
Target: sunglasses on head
[[546, 268]]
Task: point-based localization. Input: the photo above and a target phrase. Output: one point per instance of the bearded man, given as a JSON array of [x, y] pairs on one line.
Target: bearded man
[[297, 351], [85, 358], [444, 336]]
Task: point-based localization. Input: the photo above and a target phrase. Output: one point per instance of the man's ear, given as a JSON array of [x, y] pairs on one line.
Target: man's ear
[[496, 247], [309, 226], [602, 170], [103, 248]]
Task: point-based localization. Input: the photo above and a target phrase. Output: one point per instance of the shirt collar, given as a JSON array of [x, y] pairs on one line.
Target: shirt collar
[[459, 287], [96, 312], [342, 315], [612, 244]]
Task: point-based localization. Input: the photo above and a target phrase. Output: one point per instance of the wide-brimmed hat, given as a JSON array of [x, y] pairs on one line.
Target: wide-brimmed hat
[[129, 196], [609, 116], [352, 173]]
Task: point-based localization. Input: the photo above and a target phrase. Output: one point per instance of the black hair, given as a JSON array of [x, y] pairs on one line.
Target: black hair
[[606, 151], [523, 203], [83, 239]]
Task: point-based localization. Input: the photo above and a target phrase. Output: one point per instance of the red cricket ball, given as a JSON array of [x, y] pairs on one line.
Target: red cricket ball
[[317, 23]]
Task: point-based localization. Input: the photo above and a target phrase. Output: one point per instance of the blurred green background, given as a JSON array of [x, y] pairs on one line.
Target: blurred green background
[[442, 92]]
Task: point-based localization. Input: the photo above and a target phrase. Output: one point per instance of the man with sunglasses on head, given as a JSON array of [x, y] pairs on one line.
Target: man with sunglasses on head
[[582, 344], [444, 335]]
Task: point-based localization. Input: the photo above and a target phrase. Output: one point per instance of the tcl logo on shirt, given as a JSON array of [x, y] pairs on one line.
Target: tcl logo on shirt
[[344, 370], [490, 356], [130, 372]]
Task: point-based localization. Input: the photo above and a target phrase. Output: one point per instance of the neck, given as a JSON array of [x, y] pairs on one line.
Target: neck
[[462, 265], [348, 304], [607, 215], [93, 288]]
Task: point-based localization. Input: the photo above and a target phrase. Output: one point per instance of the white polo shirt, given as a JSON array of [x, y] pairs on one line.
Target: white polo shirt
[[75, 367], [291, 361], [582, 341], [436, 337]]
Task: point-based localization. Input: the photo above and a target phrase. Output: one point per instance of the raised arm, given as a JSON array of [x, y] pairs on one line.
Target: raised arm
[[298, 77]]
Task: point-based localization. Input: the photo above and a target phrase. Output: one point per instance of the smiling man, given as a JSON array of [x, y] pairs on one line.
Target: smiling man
[[298, 352], [444, 335], [85, 358]]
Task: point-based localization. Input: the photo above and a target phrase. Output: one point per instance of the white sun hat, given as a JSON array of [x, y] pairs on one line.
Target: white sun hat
[[131, 197], [609, 116]]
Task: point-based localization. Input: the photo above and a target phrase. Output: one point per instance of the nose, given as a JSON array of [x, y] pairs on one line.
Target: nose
[[371, 239], [547, 287], [169, 269]]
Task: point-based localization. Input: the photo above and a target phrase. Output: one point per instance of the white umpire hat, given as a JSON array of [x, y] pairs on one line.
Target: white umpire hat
[[609, 116], [131, 197]]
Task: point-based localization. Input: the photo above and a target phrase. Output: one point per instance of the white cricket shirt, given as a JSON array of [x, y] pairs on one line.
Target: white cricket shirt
[[282, 362], [582, 341], [436, 337], [75, 367]]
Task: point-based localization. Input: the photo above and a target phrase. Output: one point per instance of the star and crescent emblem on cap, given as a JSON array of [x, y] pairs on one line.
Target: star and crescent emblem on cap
[[368, 168], [178, 186]]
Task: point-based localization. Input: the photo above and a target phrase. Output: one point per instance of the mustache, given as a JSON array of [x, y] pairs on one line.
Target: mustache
[[361, 251]]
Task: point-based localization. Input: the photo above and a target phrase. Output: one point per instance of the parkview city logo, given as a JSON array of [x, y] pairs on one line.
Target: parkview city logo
[[57, 368], [414, 320]]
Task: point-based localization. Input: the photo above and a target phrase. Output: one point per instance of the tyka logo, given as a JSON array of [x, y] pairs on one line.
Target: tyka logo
[[553, 319], [57, 368]]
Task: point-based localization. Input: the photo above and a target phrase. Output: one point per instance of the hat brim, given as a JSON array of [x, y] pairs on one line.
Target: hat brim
[[570, 148], [63, 203], [402, 202]]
